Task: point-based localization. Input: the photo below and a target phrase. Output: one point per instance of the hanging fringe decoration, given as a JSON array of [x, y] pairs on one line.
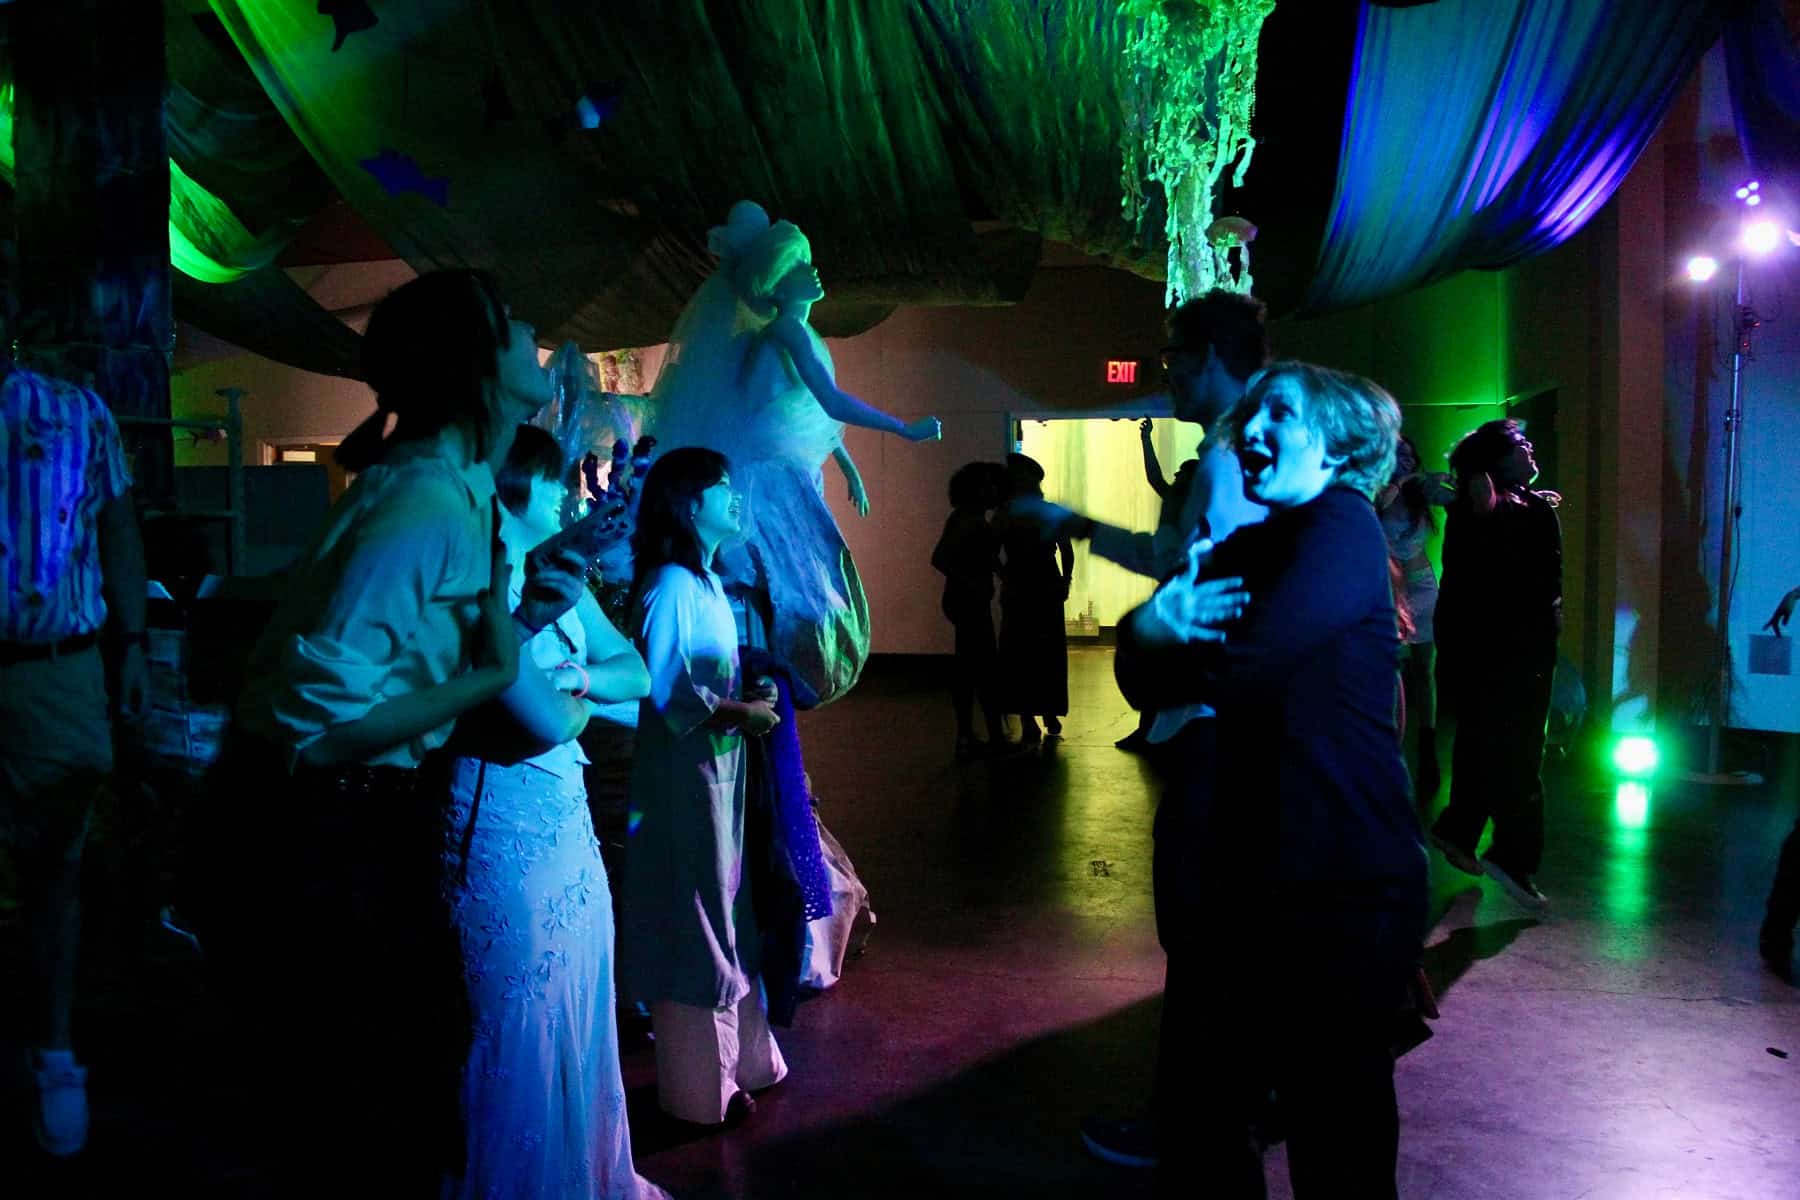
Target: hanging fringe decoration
[[1190, 94]]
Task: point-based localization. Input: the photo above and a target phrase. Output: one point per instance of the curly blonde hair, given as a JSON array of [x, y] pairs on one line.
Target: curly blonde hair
[[1355, 417]]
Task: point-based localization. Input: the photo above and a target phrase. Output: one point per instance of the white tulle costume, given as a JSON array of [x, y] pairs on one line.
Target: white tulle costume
[[726, 387]]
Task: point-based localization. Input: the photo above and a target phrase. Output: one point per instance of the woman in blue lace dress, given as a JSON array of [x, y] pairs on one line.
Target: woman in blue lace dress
[[543, 1104]]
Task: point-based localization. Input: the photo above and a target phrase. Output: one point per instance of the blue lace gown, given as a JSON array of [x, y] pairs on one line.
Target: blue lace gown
[[543, 1102]]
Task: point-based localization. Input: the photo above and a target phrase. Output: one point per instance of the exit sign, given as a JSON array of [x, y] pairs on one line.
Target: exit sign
[[1121, 370]]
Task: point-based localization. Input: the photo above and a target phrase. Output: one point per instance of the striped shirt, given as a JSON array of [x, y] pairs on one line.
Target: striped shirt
[[60, 464]]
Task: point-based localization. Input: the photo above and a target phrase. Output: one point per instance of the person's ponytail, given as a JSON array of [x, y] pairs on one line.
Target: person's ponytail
[[362, 448]]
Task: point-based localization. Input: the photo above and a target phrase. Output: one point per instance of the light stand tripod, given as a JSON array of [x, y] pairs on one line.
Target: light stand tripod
[[1743, 324]]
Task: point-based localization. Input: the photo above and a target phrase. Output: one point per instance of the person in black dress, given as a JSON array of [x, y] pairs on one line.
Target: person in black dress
[[1034, 645], [968, 555]]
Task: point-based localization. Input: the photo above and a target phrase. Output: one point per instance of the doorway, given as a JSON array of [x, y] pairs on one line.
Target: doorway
[[1095, 466]]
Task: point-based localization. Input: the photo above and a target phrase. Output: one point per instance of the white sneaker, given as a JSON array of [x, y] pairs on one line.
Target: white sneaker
[[1520, 886], [60, 1123]]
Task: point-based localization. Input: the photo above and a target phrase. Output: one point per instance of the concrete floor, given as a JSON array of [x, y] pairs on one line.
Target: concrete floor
[[1620, 1049]]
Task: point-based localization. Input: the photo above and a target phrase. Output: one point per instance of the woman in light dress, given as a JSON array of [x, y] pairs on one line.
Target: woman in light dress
[[689, 946], [543, 1103]]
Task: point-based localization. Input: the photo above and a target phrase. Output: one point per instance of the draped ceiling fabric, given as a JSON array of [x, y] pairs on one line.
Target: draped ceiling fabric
[[240, 188], [884, 130], [1762, 56], [1481, 132], [243, 187], [925, 147]]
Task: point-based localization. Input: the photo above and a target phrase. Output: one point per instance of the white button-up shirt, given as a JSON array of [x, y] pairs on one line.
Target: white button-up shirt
[[378, 608]]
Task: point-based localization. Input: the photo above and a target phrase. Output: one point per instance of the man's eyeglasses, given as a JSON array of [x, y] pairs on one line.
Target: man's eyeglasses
[[1180, 360]]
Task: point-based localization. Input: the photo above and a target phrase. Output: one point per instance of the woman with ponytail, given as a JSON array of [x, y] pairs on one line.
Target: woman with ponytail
[[324, 917]]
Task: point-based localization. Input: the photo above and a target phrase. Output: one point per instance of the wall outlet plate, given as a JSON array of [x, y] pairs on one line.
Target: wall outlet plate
[[1771, 655]]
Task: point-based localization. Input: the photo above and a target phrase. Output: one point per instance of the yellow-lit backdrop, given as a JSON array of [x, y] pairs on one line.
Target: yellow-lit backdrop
[[1096, 467]]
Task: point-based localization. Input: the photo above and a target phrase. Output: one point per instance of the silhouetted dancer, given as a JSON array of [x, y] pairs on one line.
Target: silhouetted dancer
[[1499, 613], [967, 555]]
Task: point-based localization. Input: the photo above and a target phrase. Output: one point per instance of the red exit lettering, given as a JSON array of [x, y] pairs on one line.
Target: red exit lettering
[[1121, 370]]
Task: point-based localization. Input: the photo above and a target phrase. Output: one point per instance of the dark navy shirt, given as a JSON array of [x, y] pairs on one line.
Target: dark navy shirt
[[1311, 794]]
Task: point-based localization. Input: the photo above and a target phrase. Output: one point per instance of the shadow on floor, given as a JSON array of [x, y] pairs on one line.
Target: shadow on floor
[[1009, 1126], [1447, 960]]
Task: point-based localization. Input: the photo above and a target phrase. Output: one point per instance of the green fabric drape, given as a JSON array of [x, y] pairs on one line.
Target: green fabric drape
[[822, 112], [242, 186], [228, 138], [886, 131], [222, 130]]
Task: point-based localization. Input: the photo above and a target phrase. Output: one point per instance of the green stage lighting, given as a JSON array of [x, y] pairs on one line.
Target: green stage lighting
[[1635, 755], [1631, 805]]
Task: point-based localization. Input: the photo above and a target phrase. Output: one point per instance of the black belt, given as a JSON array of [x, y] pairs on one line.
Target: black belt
[[12, 653]]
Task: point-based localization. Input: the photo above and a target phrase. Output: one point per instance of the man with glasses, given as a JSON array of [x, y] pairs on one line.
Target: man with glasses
[[1216, 343]]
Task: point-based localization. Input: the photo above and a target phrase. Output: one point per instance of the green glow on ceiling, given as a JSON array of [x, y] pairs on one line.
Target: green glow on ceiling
[[197, 219]]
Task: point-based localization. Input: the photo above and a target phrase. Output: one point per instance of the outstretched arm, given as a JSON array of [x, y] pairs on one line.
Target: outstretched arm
[[1783, 611], [859, 495], [792, 336], [1152, 467]]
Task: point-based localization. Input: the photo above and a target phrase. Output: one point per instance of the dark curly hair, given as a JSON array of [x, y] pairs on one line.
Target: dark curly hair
[[1230, 323], [1483, 449]]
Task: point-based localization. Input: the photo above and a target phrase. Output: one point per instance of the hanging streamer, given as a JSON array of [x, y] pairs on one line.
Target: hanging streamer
[[1190, 97]]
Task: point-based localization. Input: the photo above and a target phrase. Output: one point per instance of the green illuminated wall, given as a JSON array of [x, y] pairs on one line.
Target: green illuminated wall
[[1453, 353]]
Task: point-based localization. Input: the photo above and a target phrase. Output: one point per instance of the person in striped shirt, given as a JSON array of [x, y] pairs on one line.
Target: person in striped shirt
[[71, 584]]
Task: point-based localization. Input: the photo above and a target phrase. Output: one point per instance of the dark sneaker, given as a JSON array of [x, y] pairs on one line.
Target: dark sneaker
[[1518, 885], [1463, 860], [1122, 1143]]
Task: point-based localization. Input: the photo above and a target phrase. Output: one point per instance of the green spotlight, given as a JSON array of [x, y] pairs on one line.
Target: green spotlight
[[1631, 805], [1635, 755]]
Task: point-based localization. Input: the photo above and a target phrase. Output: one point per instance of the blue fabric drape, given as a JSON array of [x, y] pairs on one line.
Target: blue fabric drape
[[1481, 132], [1764, 67]]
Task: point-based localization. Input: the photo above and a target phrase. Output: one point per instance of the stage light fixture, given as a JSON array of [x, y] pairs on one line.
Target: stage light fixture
[[1761, 237], [1702, 267], [1635, 755]]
